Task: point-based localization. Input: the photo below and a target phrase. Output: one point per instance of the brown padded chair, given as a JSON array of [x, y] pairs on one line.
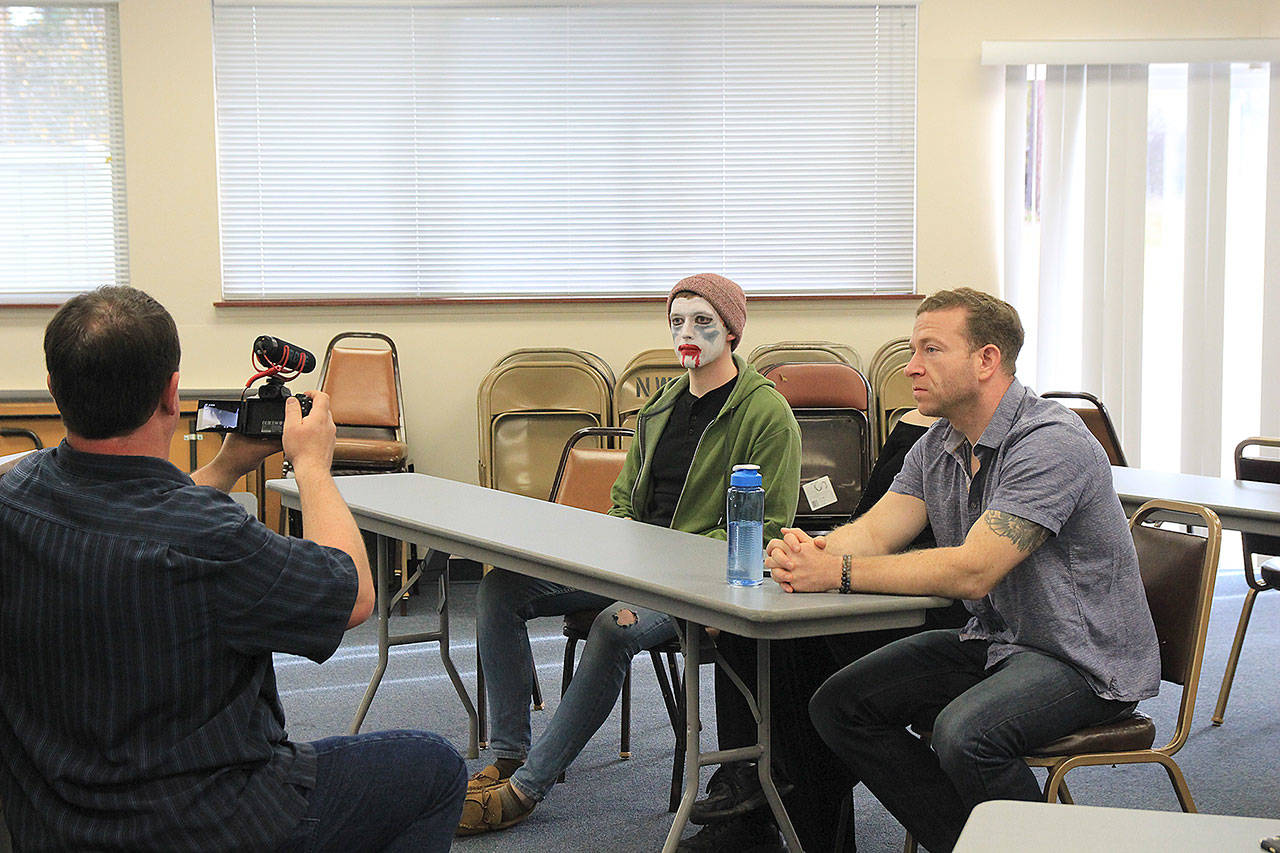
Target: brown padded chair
[[1264, 470], [584, 480], [1178, 571], [363, 385], [832, 406], [1090, 410]]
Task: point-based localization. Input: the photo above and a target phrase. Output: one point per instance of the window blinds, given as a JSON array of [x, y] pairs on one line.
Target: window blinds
[[468, 151], [62, 203]]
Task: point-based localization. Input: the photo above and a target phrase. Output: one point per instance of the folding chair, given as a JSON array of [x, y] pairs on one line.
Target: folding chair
[[1178, 570], [644, 376], [363, 384], [1090, 410], [1261, 469], [831, 403]]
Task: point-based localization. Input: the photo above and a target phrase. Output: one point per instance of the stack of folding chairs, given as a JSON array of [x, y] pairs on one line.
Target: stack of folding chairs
[[890, 387], [645, 375], [529, 404]]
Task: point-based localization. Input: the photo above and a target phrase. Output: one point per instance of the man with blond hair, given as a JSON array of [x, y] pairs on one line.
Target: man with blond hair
[[1032, 538]]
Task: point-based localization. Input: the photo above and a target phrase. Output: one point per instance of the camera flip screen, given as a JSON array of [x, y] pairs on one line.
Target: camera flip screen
[[217, 415]]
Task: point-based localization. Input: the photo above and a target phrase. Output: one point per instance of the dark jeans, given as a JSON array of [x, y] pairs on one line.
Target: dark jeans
[[392, 790], [983, 722], [821, 781]]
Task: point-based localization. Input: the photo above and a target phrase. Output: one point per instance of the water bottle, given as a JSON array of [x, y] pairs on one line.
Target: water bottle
[[745, 513]]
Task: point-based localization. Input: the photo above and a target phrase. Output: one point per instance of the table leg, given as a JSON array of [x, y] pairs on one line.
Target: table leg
[[382, 563], [692, 735], [473, 720], [764, 736]]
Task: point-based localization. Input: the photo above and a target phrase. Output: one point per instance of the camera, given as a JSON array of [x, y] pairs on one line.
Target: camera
[[262, 412]]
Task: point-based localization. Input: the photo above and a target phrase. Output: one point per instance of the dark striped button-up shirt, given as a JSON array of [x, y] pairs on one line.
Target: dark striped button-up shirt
[[138, 614]]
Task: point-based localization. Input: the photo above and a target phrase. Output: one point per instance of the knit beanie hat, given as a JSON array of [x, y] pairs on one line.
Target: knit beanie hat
[[725, 296]]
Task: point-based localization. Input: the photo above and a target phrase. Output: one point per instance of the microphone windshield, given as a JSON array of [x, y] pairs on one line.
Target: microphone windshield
[[273, 351]]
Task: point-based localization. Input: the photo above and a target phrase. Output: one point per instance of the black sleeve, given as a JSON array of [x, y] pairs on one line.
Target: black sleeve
[[887, 466]]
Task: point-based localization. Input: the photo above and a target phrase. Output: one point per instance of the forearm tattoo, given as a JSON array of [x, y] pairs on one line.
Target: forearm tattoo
[[1025, 535]]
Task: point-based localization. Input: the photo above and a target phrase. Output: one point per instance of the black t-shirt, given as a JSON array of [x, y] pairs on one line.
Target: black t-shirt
[[689, 419]]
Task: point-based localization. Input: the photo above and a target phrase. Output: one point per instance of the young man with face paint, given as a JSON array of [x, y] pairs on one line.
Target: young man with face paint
[[721, 413]]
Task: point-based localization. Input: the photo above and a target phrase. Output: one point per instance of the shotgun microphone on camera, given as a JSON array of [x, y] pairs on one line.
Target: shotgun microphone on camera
[[272, 352]]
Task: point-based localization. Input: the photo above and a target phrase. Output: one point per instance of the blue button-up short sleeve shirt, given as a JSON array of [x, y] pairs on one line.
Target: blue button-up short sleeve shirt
[[1079, 596]]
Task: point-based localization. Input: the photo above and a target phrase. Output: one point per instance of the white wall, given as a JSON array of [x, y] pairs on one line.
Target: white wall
[[447, 349]]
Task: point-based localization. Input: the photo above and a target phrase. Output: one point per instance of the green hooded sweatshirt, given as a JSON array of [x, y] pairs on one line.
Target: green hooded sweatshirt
[[755, 427]]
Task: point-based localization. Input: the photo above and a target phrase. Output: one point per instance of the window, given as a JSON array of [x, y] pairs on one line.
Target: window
[[1139, 196], [62, 208], [546, 150]]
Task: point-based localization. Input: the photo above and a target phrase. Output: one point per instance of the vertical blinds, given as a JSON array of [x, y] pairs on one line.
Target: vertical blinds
[[1146, 274], [62, 204], [473, 151]]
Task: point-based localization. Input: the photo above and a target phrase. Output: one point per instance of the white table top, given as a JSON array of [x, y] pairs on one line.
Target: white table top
[[1241, 504], [676, 573], [1005, 826]]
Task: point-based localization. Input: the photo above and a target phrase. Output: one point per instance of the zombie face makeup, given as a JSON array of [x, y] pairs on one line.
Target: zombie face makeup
[[697, 332]]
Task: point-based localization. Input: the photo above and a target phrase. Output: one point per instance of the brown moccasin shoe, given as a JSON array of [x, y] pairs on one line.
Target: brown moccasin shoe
[[486, 778], [488, 810]]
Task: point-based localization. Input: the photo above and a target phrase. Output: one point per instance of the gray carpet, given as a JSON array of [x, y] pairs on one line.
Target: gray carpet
[[609, 804]]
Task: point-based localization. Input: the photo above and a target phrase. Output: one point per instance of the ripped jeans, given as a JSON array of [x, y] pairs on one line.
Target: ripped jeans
[[505, 602]]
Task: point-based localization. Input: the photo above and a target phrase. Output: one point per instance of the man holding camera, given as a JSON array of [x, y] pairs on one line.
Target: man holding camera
[[140, 607]]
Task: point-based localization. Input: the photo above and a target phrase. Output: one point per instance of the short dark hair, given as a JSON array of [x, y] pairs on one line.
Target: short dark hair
[[988, 321], [110, 353]]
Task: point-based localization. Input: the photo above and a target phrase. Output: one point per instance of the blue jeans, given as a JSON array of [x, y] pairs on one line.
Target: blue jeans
[[394, 790], [983, 723], [506, 601]]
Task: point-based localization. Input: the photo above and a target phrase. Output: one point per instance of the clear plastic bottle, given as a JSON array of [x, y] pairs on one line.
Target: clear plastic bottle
[[744, 510]]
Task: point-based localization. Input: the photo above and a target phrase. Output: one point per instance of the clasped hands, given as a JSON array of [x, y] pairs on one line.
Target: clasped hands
[[799, 562]]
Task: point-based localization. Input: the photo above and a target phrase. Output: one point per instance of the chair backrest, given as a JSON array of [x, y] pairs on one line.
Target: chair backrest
[[23, 434], [1262, 470], [363, 383], [890, 387], [585, 476], [646, 374], [789, 352], [830, 402], [1178, 570], [814, 385], [1090, 410], [527, 406]]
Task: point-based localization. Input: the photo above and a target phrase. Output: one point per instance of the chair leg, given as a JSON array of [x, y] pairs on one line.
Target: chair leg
[[566, 677], [1053, 784], [624, 751], [538, 703], [677, 762], [1179, 783], [843, 824], [909, 846], [674, 702], [1220, 709]]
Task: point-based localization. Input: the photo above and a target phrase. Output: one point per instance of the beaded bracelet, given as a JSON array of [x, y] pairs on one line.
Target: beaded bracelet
[[846, 564]]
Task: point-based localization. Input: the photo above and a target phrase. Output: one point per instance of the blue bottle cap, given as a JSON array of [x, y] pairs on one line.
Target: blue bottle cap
[[746, 478]]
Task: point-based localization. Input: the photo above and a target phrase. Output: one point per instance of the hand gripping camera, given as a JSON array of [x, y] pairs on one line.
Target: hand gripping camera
[[260, 413]]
